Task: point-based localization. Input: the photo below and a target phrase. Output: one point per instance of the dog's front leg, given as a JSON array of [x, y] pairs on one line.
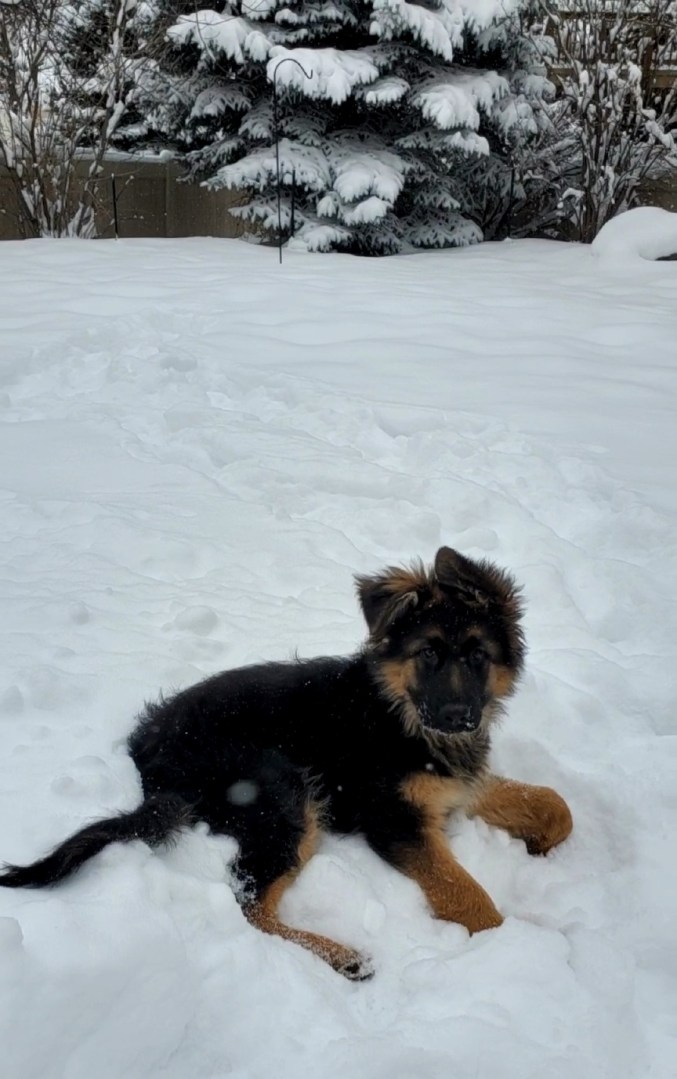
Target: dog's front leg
[[538, 815], [451, 891]]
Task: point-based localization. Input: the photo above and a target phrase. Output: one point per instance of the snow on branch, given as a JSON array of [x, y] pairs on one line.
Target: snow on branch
[[455, 100], [319, 236], [332, 73], [216, 99], [482, 14], [258, 122], [454, 230], [258, 168], [317, 14], [361, 172], [367, 212], [233, 36], [512, 113], [385, 91], [440, 31], [431, 138]]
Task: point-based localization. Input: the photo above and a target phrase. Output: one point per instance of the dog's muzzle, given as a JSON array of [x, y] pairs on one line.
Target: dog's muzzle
[[457, 719]]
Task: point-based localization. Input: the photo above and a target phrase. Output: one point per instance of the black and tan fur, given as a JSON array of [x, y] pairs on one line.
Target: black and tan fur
[[386, 743]]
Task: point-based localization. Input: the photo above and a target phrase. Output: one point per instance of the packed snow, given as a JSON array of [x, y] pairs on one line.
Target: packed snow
[[645, 232], [199, 448]]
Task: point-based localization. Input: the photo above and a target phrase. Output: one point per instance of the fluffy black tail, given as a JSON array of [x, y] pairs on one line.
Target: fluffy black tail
[[154, 821]]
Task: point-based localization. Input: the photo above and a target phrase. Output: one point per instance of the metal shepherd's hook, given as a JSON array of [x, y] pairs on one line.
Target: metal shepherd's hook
[[307, 75]]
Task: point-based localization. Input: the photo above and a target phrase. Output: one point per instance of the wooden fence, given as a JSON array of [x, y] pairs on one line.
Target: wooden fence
[[150, 199]]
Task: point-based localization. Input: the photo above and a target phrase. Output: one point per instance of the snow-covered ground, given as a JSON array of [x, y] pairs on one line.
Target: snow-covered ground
[[198, 449]]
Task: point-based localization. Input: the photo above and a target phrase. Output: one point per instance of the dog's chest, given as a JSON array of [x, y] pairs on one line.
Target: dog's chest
[[437, 796]]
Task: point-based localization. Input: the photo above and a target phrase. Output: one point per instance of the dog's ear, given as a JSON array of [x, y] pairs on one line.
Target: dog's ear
[[479, 583], [386, 596], [457, 573]]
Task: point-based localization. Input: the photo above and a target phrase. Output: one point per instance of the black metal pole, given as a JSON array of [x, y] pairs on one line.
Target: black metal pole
[[293, 201], [115, 207], [276, 132], [277, 165], [512, 201]]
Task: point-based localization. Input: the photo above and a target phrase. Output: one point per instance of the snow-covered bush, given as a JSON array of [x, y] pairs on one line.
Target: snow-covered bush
[[395, 118], [65, 76], [616, 111]]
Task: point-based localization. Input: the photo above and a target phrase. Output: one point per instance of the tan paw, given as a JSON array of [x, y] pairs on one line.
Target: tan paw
[[551, 821], [346, 961], [481, 917], [357, 968]]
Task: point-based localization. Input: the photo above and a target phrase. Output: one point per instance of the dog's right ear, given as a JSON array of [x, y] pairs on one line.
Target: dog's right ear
[[386, 596]]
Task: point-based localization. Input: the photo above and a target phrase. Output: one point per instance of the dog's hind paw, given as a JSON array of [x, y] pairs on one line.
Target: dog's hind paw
[[359, 968]]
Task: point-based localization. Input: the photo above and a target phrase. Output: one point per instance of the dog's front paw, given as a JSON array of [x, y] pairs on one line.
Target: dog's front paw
[[485, 918], [551, 820]]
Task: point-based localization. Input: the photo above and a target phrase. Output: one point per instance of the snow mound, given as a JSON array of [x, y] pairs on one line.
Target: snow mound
[[647, 232]]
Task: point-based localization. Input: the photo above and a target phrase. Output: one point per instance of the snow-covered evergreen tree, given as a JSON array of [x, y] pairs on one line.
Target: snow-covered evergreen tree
[[393, 117]]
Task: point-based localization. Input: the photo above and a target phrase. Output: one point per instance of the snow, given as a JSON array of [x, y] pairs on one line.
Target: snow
[[210, 31], [482, 13], [386, 90], [321, 73], [456, 100], [361, 181], [646, 232], [198, 449], [214, 100], [364, 170], [441, 31]]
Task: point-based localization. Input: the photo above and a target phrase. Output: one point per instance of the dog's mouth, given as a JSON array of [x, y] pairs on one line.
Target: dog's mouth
[[451, 719]]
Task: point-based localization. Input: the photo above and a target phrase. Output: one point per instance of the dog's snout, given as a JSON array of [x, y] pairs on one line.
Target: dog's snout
[[456, 717], [454, 713]]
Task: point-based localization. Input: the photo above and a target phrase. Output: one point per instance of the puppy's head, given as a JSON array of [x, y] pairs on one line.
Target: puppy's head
[[445, 642]]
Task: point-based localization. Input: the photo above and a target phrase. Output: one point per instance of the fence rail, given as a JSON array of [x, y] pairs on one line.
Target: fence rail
[[660, 38]]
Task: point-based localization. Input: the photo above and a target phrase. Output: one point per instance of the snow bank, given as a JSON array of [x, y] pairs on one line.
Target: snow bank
[[647, 232]]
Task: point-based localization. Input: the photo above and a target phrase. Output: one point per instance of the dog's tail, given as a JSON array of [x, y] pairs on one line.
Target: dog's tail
[[155, 821]]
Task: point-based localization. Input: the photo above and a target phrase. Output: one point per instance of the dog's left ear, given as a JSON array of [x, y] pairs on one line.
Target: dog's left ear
[[479, 583], [386, 596]]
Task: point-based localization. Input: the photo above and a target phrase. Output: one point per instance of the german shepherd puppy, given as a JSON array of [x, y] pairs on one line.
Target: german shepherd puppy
[[385, 743]]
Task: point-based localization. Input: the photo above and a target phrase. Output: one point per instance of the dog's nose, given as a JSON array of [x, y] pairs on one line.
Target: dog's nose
[[456, 717]]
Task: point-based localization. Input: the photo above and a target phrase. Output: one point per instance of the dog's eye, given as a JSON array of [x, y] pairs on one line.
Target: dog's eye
[[477, 657], [428, 652]]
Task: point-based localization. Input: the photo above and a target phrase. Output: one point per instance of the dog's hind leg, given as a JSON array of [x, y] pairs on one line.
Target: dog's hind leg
[[261, 909], [538, 815], [276, 819]]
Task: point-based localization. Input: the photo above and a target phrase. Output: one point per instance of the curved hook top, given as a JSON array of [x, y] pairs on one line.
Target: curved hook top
[[291, 60]]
